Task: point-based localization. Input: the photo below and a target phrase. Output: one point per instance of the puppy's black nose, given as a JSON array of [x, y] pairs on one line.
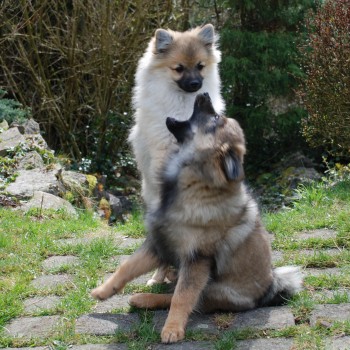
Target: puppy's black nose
[[195, 84]]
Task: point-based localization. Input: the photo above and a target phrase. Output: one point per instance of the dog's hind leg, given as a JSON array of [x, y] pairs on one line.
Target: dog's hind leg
[[139, 263], [151, 300], [220, 296], [193, 277]]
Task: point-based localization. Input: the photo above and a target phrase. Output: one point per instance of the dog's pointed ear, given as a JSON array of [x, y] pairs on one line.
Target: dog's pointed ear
[[207, 35], [232, 166], [163, 40]]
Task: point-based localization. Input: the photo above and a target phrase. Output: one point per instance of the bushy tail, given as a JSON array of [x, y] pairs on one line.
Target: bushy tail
[[287, 281]]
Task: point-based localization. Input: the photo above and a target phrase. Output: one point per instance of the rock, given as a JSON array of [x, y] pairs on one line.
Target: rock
[[31, 160], [45, 201], [10, 139], [293, 176], [36, 141], [30, 181], [297, 160], [73, 180], [30, 126], [116, 206]]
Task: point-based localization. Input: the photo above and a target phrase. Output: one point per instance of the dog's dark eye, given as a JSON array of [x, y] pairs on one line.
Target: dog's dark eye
[[200, 66], [180, 68]]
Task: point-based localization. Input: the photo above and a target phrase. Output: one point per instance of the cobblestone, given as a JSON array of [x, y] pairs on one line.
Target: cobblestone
[[105, 324], [317, 234], [51, 281], [330, 313], [32, 327], [37, 304], [264, 318], [263, 344], [56, 262], [119, 301]]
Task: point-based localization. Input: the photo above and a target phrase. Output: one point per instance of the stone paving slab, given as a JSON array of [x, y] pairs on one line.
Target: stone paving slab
[[130, 242], [261, 319], [56, 262], [51, 281], [32, 327], [99, 347], [323, 233], [317, 272], [330, 313], [196, 345], [105, 324], [330, 294], [196, 322], [118, 301], [314, 252], [341, 343], [263, 344], [37, 304], [277, 317], [36, 348]]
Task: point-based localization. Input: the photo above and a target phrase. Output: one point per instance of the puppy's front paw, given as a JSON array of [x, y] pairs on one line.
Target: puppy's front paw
[[172, 333], [103, 292]]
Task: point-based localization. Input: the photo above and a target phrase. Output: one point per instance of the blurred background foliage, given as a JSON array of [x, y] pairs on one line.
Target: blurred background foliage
[[72, 64]]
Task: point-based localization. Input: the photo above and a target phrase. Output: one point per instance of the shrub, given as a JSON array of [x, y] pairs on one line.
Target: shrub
[[326, 89], [73, 63], [260, 71]]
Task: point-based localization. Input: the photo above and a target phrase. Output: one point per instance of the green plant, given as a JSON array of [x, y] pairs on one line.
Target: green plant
[[260, 71], [11, 110]]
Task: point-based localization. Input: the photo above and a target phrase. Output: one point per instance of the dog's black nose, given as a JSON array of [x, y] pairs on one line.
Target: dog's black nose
[[195, 84]]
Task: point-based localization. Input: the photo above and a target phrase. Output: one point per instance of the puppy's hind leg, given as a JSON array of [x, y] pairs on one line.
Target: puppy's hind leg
[[221, 296], [150, 300], [139, 263]]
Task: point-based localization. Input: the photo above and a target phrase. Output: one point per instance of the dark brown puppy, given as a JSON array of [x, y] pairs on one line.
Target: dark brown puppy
[[208, 226]]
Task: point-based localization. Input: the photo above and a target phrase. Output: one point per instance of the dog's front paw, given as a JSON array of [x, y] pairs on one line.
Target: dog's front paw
[[172, 333], [103, 292]]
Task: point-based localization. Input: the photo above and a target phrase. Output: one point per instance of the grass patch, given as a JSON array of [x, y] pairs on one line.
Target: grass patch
[[27, 240]]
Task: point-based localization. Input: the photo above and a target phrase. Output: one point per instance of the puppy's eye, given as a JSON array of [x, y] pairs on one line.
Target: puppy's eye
[[200, 66], [180, 68]]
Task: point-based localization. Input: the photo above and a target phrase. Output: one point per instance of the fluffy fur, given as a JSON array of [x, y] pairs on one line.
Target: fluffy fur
[[171, 57], [208, 226], [175, 67]]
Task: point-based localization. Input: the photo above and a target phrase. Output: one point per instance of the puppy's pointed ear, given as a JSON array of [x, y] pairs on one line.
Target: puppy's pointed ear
[[232, 166], [207, 35], [163, 40]]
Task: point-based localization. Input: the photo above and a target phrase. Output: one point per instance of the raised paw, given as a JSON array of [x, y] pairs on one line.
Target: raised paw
[[103, 292], [172, 334]]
